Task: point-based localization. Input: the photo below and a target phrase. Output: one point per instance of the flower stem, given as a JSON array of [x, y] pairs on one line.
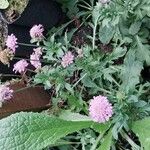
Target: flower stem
[[25, 88], [41, 60], [79, 80], [9, 75], [130, 141], [30, 45], [94, 35], [103, 90], [96, 142]]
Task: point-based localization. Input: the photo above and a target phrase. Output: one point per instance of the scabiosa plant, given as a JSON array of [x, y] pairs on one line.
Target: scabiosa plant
[[67, 59], [38, 51], [36, 32], [11, 42], [20, 66], [100, 109], [5, 93], [35, 60]]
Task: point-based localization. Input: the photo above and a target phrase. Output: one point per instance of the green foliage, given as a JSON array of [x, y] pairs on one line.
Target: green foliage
[[30, 131], [106, 33], [130, 72], [142, 130], [106, 142], [112, 58], [69, 6]]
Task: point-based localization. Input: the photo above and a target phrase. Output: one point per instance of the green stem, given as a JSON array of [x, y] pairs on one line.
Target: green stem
[[85, 7], [97, 142], [9, 75], [65, 25], [30, 45], [94, 35], [79, 80], [87, 4], [25, 88], [130, 141], [22, 89], [41, 60], [103, 90], [31, 70]]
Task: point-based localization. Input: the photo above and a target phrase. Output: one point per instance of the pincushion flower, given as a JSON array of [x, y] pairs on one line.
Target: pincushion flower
[[100, 109], [11, 42], [5, 94], [35, 60], [67, 59], [38, 51], [36, 32], [20, 66]]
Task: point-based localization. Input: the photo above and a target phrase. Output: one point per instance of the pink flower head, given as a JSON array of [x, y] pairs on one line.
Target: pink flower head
[[35, 60], [11, 42], [20, 66], [67, 59], [38, 51], [100, 109], [37, 32], [5, 93]]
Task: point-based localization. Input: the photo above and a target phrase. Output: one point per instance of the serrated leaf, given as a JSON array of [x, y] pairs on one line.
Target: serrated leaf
[[106, 143], [106, 33], [142, 130], [28, 131], [4, 4], [117, 53], [130, 72], [135, 27], [143, 51]]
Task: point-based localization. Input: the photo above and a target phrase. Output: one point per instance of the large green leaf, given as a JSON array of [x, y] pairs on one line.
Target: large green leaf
[[142, 130], [34, 131], [131, 72], [143, 51], [106, 143]]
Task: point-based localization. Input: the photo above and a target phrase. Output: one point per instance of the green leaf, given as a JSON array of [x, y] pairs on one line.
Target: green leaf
[[131, 72], [142, 130], [106, 143], [143, 51], [117, 53], [70, 116], [135, 27], [106, 33], [4, 4], [34, 131], [101, 128]]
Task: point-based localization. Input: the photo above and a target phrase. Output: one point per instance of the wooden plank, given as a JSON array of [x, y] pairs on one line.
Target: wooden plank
[[31, 99]]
